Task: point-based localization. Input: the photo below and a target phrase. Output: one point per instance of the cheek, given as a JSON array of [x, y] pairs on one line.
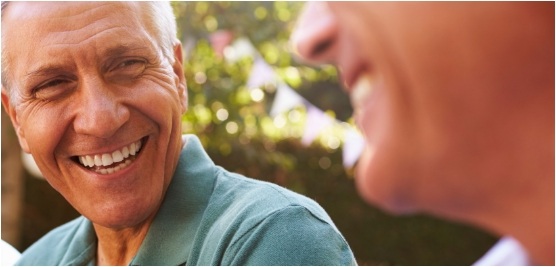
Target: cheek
[[159, 97], [162, 105], [43, 127]]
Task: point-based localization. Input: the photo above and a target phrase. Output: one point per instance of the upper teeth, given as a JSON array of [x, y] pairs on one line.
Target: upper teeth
[[107, 159], [361, 91]]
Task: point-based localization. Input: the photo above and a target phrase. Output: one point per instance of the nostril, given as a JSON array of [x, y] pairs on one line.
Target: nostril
[[321, 47], [315, 34]]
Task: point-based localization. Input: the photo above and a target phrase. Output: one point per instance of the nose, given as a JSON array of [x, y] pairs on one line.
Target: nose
[[315, 36], [101, 111]]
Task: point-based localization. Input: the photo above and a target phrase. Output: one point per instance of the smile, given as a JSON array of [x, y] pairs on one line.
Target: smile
[[360, 91], [108, 163]]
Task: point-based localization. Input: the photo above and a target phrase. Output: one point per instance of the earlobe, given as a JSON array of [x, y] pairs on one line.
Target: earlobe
[[10, 109]]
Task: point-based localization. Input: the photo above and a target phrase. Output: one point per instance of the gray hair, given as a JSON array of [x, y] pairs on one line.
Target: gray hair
[[159, 18]]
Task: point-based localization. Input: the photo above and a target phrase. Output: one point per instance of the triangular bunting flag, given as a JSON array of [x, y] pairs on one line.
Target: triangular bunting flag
[[353, 147], [317, 121], [239, 49], [286, 98], [261, 73]]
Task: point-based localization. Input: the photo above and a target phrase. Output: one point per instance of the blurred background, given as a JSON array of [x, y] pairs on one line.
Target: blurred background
[[260, 112]]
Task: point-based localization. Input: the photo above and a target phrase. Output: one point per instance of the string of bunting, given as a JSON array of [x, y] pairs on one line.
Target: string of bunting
[[287, 99]]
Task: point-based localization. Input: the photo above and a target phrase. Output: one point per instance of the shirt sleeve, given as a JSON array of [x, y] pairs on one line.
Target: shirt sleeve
[[290, 236]]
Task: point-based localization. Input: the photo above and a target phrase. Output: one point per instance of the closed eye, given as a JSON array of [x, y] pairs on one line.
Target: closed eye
[[127, 70], [53, 88], [130, 63], [51, 84]]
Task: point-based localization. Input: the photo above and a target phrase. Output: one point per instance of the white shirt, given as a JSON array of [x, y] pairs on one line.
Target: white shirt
[[8, 254], [507, 251]]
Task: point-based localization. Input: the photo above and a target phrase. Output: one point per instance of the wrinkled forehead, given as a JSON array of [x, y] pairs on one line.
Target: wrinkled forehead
[[51, 17], [50, 10], [42, 33]]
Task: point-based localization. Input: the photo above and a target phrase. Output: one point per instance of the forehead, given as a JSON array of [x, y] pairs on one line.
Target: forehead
[[68, 17], [61, 27]]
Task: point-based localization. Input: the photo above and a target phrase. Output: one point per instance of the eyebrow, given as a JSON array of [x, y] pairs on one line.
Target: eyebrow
[[46, 70], [122, 49], [111, 52]]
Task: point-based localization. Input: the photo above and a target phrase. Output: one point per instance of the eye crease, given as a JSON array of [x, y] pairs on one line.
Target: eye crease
[[51, 83], [131, 62]]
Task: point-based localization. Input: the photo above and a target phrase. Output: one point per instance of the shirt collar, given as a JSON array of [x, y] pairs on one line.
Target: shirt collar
[[83, 247], [507, 251], [170, 237]]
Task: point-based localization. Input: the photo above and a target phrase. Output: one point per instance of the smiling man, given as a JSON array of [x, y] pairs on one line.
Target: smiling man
[[96, 91], [456, 102]]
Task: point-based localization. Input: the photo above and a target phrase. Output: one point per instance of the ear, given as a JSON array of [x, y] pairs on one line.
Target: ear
[[10, 109], [178, 70]]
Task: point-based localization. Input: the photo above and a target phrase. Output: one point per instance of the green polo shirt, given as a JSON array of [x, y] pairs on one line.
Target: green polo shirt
[[213, 217]]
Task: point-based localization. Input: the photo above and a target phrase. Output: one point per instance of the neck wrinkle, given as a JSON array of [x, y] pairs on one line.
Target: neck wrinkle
[[119, 246]]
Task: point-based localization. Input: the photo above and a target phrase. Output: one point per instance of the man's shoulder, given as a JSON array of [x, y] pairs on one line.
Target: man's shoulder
[[260, 197], [254, 222], [53, 248]]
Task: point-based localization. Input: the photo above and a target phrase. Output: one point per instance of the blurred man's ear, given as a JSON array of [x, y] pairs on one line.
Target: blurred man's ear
[[178, 70], [13, 117]]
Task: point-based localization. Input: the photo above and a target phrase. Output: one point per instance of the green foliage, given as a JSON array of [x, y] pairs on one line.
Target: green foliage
[[221, 107]]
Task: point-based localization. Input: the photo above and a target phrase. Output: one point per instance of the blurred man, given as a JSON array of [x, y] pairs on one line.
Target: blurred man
[[96, 93], [456, 102]]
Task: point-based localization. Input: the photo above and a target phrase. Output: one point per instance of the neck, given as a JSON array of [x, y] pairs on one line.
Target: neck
[[523, 207], [522, 204], [513, 194], [530, 222], [119, 246]]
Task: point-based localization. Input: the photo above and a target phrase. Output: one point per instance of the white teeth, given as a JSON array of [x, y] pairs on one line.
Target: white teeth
[[107, 159], [132, 149], [98, 160], [117, 156], [125, 152], [361, 90], [89, 161]]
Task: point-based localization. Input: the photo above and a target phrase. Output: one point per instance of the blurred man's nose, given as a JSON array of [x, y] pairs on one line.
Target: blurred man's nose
[[315, 36], [101, 112]]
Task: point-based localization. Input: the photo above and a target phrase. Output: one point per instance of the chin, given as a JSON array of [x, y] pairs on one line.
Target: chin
[[380, 186], [121, 216], [121, 221]]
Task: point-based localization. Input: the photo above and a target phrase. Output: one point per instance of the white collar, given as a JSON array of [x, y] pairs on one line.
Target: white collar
[[507, 251]]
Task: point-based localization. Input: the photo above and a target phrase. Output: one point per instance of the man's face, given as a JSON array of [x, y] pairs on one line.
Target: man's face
[[430, 87], [96, 104]]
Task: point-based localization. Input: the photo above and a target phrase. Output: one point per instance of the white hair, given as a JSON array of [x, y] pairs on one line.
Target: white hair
[[159, 18], [160, 15]]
